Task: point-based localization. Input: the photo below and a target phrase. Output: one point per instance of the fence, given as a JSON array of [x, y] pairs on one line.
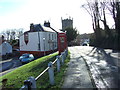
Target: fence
[[31, 82]]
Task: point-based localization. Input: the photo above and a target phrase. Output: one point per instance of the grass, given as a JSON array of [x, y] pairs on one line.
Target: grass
[[43, 82], [60, 76], [34, 68], [15, 79]]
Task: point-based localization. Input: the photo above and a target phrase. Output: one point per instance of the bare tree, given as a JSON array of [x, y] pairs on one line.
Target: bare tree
[[114, 9], [12, 34], [103, 8], [93, 9], [99, 10], [19, 32], [8, 34], [116, 15]]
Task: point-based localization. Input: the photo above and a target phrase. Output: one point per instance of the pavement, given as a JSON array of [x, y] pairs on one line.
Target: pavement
[[9, 65], [77, 75], [92, 68], [5, 65], [104, 66]]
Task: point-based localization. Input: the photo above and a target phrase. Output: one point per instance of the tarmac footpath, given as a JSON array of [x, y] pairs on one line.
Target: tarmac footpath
[[5, 65], [77, 74], [9, 65]]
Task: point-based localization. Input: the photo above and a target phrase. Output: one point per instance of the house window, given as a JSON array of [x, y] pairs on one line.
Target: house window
[[52, 36]]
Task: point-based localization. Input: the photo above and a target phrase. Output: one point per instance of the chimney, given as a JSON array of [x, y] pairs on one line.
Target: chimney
[[47, 24], [31, 27]]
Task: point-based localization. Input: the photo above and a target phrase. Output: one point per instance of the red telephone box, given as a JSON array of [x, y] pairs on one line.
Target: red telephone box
[[62, 42]]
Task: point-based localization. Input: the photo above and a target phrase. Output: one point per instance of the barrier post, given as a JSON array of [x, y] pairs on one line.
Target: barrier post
[[29, 84], [51, 73], [66, 52], [62, 55], [32, 80], [58, 63]]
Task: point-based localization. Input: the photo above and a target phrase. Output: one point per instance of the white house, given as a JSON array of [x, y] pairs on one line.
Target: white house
[[5, 47], [39, 40]]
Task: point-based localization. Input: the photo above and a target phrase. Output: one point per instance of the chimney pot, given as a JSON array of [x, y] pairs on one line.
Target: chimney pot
[[47, 24]]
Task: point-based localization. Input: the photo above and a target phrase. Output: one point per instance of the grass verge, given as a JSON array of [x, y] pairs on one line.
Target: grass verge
[[43, 82], [15, 79]]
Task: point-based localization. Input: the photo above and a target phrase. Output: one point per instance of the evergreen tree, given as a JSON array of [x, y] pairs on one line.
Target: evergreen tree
[[71, 34]]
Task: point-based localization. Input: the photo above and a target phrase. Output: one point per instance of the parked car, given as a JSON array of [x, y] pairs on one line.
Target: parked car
[[25, 58], [85, 44]]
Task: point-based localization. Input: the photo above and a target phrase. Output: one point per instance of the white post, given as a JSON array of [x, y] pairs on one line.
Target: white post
[[65, 54], [58, 63], [51, 73], [66, 51], [62, 57], [29, 84], [32, 80]]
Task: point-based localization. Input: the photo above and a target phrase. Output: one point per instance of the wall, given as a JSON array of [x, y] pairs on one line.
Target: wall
[[5, 48], [48, 41]]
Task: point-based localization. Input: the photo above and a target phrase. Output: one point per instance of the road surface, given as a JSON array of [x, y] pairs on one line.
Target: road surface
[[9, 65], [103, 65], [77, 75]]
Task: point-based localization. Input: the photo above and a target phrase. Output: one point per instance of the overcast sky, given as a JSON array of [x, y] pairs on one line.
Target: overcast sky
[[20, 13]]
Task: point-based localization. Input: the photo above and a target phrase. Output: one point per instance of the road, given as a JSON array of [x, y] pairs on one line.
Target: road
[[103, 64], [9, 65], [77, 74], [102, 69]]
